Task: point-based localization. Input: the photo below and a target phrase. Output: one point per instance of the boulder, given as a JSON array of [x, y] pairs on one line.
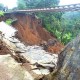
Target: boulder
[[68, 67]]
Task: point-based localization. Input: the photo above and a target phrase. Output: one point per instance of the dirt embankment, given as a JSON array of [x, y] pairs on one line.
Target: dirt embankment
[[31, 31], [3, 49]]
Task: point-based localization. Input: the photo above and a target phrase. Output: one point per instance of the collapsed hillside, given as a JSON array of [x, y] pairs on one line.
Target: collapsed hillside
[[32, 61], [31, 31], [21, 62]]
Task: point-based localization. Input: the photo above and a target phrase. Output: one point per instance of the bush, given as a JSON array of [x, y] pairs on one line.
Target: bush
[[9, 21], [1, 13]]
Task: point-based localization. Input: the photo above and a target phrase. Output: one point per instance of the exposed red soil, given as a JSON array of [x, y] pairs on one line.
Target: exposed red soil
[[26, 31], [57, 48], [31, 31]]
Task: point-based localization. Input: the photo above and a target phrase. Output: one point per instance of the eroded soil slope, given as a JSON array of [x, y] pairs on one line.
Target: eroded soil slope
[[31, 31]]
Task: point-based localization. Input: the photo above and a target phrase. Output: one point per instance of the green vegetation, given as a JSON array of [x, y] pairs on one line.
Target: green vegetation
[[21, 4], [9, 21], [1, 13], [1, 7], [64, 25]]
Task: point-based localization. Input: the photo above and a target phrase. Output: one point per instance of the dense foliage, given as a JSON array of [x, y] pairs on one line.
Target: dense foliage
[[1, 6], [63, 26], [9, 21], [1, 13], [36, 3]]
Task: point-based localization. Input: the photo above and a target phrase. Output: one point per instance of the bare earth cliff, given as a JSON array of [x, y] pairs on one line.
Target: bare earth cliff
[[31, 31], [29, 52]]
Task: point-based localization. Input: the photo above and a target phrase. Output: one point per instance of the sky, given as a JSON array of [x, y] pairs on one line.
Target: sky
[[13, 3], [9, 3], [66, 2]]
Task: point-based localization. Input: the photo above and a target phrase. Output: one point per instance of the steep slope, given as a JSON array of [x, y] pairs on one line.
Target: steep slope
[[25, 59], [31, 31]]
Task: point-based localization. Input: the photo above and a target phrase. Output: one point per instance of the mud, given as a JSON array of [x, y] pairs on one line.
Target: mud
[[31, 31], [3, 49]]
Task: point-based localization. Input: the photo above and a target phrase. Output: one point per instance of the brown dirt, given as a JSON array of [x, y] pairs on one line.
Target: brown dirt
[[26, 30], [31, 31], [57, 48], [3, 49]]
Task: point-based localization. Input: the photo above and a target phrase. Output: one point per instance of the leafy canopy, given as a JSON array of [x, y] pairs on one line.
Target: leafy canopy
[[64, 25]]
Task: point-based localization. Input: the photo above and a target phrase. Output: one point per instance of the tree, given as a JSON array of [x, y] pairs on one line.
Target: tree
[[41, 3], [51, 20], [21, 4], [1, 7], [37, 3]]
